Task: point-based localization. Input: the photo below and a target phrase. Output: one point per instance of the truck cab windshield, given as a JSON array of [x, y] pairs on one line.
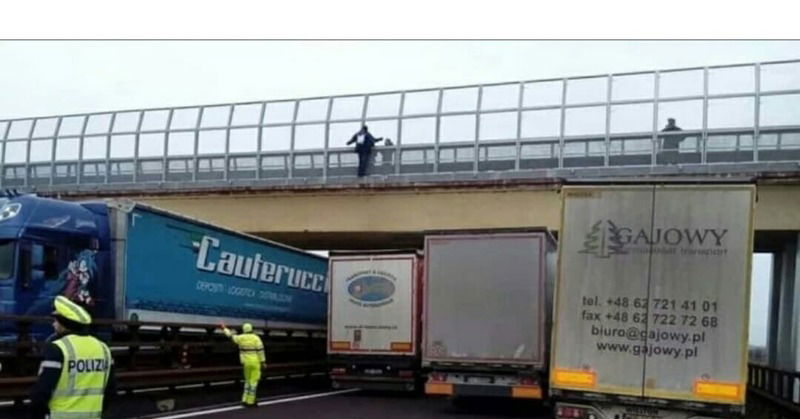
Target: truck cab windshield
[[6, 258]]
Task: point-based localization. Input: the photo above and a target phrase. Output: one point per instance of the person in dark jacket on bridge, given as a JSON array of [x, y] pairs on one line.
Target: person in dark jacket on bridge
[[364, 143], [387, 155], [671, 143]]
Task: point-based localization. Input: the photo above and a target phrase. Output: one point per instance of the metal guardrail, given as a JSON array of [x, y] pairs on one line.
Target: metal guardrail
[[151, 354], [730, 114], [13, 388], [779, 386]]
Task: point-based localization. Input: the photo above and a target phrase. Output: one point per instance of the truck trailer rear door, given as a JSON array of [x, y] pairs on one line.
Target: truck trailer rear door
[[652, 297], [698, 307], [600, 284]]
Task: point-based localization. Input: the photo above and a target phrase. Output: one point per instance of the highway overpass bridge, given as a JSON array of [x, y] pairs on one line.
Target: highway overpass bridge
[[480, 156]]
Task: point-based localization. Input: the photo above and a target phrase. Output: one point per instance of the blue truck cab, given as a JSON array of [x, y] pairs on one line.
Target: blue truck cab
[[48, 248]]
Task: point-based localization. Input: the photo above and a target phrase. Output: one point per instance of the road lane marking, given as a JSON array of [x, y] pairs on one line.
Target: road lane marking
[[263, 403], [220, 406], [310, 396]]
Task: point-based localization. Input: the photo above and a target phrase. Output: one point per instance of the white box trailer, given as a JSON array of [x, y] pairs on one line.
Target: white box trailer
[[487, 311], [374, 319], [652, 301]]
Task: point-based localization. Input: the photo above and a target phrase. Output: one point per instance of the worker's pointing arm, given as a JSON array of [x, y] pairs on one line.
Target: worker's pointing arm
[[227, 331]]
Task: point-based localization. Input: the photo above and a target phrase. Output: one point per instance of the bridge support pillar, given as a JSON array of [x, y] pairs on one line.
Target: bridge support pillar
[[784, 320]]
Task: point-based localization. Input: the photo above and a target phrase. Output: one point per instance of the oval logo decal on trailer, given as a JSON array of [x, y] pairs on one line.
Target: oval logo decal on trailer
[[371, 288]]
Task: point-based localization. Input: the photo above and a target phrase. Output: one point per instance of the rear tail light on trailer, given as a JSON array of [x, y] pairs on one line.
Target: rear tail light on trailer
[[437, 384], [718, 390], [526, 392], [340, 345], [563, 412], [338, 371], [400, 346], [438, 377], [439, 388], [527, 388], [575, 378]]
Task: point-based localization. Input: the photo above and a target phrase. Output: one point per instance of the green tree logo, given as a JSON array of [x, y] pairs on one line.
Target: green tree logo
[[604, 242], [593, 242]]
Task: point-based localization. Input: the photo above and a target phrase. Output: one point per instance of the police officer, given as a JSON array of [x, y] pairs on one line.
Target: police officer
[[75, 377], [251, 355]]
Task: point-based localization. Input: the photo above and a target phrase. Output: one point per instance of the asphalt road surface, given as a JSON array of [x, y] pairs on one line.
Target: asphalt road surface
[[149, 402], [362, 405], [349, 404], [314, 399]]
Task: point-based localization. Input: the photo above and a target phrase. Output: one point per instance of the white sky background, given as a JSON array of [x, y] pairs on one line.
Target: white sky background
[[760, 298], [40, 78]]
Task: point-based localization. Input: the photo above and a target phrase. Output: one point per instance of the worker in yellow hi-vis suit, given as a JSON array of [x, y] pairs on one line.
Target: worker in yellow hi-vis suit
[[251, 355]]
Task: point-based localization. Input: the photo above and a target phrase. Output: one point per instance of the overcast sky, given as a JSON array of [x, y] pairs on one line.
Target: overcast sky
[[760, 298], [39, 78]]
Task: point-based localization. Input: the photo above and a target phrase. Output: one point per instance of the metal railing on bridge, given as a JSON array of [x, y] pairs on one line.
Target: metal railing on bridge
[[738, 114], [778, 386]]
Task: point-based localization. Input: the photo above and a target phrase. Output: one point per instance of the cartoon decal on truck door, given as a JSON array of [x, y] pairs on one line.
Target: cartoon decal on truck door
[[48, 273], [79, 274]]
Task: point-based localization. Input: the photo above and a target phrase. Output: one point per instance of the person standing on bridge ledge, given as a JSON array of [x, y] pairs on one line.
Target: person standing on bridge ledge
[[387, 152], [364, 143], [76, 375], [251, 355], [671, 143]]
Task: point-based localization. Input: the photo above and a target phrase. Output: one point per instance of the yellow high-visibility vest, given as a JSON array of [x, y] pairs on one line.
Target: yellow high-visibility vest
[[251, 349], [84, 375]]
